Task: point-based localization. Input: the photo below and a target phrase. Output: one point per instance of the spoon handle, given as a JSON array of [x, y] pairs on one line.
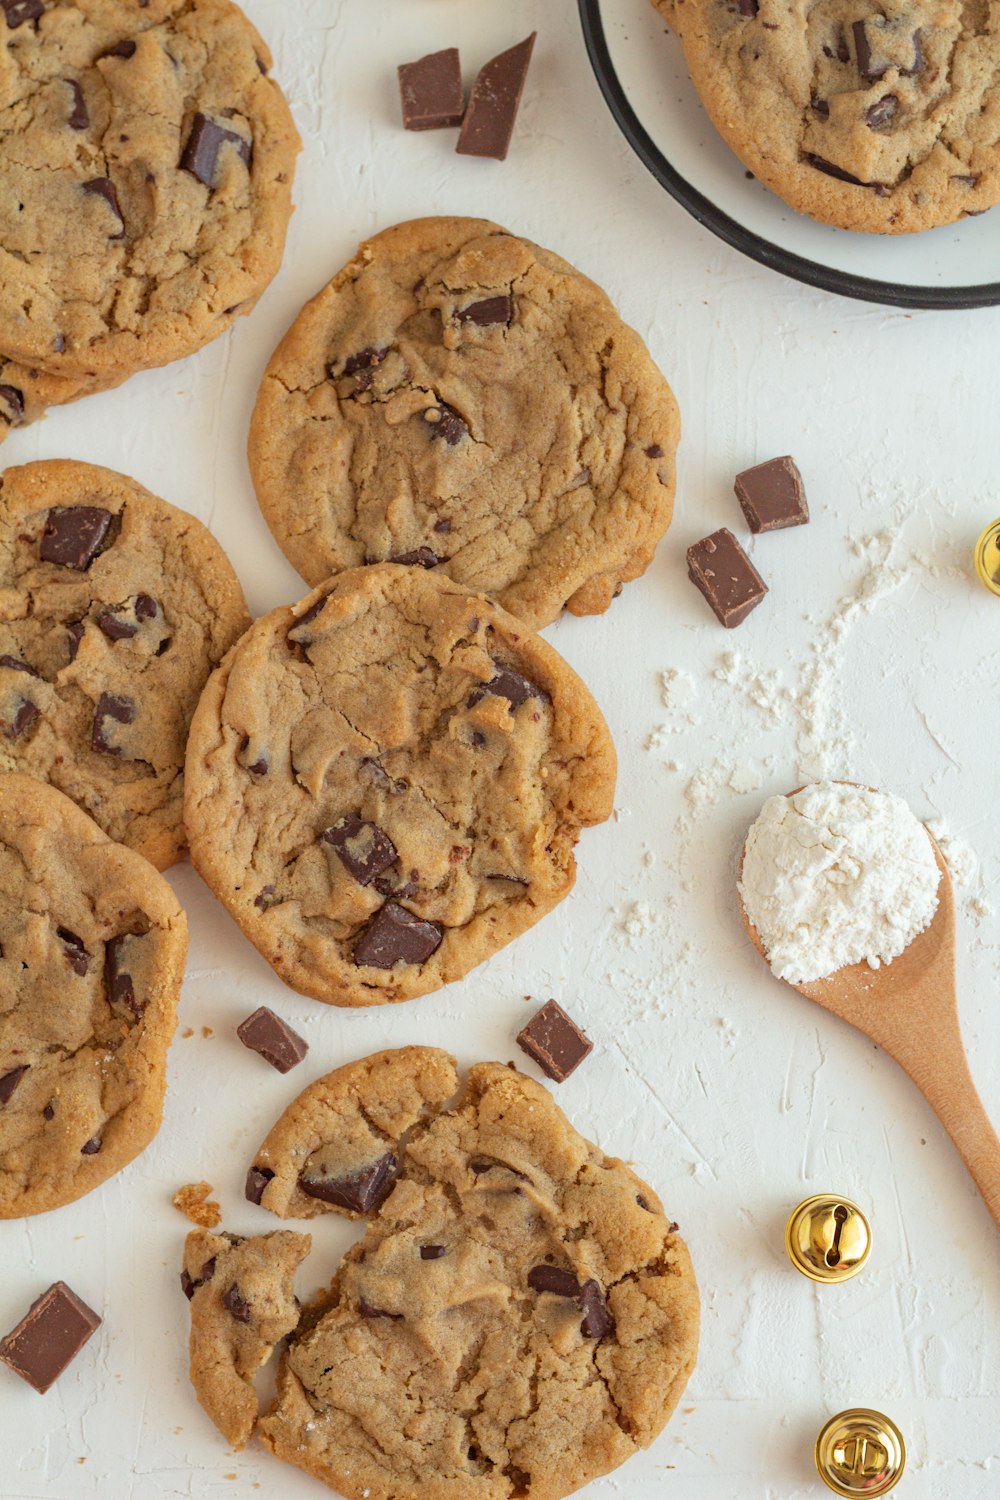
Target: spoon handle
[[941, 1072]]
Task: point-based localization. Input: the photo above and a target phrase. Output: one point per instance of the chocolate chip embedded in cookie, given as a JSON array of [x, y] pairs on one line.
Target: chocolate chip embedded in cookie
[[872, 117], [92, 949], [242, 1305], [458, 398], [385, 784], [119, 607], [519, 1289], [148, 164]]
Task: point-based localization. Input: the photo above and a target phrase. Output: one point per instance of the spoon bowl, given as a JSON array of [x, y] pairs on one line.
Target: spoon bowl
[[909, 1008]]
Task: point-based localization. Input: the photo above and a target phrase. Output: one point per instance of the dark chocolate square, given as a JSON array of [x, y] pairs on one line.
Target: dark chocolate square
[[772, 495], [718, 566], [555, 1042]]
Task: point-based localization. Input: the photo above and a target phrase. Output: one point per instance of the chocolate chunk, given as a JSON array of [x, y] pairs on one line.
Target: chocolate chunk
[[9, 1082], [115, 627], [200, 156], [103, 187], [841, 174], [120, 49], [235, 1303], [488, 313], [643, 1203], [365, 359], [869, 65], [16, 12], [118, 984], [445, 422], [79, 116], [49, 1336], [554, 1279], [394, 936], [772, 495], [596, 1317], [493, 104], [119, 711], [76, 953], [272, 1039], [422, 557], [11, 404], [510, 685], [432, 1252], [379, 776], [312, 613], [368, 1310], [49, 1112], [257, 1180], [75, 630], [74, 535], [24, 716], [747, 8], [718, 566], [145, 607], [359, 1192], [91, 1147], [189, 1286], [873, 61], [555, 1042], [265, 898], [14, 664], [364, 849], [881, 112], [430, 91], [654, 451]]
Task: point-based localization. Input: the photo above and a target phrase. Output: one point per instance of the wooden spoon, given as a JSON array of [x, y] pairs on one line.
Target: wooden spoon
[[909, 1008]]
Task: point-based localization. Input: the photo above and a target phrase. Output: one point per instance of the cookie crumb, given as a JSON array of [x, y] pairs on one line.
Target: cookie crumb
[[194, 1203]]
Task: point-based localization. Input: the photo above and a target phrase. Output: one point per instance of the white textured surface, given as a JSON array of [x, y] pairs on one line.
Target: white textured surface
[[836, 875], [728, 1090]]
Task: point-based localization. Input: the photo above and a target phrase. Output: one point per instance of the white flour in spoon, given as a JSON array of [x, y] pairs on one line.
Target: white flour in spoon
[[837, 875]]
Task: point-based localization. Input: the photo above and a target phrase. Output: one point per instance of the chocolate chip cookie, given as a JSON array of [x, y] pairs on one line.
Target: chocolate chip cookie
[[147, 168], [385, 783], [520, 1316], [879, 117], [92, 949], [459, 399], [114, 609], [242, 1305]]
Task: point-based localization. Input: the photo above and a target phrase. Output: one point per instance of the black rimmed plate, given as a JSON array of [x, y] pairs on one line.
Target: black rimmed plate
[[640, 68]]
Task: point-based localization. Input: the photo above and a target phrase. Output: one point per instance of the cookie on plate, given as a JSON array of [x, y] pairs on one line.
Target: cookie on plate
[[520, 1316], [458, 398], [877, 117], [114, 609], [242, 1305], [92, 950], [386, 782], [146, 189]]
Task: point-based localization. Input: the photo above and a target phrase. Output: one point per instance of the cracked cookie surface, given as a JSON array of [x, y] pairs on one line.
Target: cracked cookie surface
[[883, 118], [242, 1305], [520, 1316], [385, 783], [92, 950], [460, 398], [114, 609], [146, 186]]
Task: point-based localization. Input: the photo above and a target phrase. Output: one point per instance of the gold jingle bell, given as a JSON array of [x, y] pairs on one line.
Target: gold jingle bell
[[860, 1453], [987, 558], [828, 1239]]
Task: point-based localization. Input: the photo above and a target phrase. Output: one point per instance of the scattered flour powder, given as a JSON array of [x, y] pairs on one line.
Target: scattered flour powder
[[837, 875]]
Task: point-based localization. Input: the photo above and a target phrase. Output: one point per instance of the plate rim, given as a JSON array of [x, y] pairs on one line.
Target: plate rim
[[731, 231]]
